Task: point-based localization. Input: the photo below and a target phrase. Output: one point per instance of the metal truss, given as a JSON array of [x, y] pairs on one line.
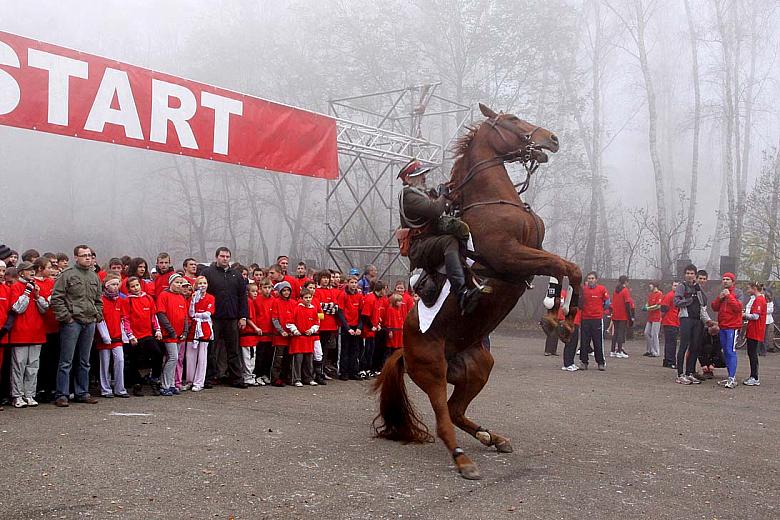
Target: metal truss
[[378, 133]]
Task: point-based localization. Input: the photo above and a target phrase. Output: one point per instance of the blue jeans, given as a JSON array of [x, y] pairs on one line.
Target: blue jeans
[[75, 344]]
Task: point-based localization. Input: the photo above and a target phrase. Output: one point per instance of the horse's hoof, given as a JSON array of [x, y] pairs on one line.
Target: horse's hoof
[[470, 472], [504, 447]]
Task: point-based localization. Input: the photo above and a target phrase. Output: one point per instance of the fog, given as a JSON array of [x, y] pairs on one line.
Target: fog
[[614, 79]]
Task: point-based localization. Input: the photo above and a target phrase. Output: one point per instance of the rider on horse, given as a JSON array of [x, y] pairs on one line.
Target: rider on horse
[[435, 238]]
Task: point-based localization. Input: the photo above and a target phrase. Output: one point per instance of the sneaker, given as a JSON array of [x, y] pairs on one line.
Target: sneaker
[[107, 396], [265, 379], [327, 377], [699, 377], [683, 380], [186, 387], [197, 388], [31, 401], [174, 390], [123, 396], [278, 383], [253, 382], [694, 380], [731, 382], [621, 355], [19, 402], [313, 383], [612, 354], [138, 391], [751, 381], [584, 366], [572, 368], [259, 381], [602, 367], [647, 354], [298, 383], [165, 392]]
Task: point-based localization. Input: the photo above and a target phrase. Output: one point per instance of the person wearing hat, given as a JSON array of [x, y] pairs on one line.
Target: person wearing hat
[[282, 314], [729, 310], [429, 248], [26, 336], [5, 253], [77, 301]]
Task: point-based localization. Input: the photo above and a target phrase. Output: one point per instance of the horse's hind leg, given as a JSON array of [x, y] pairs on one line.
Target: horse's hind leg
[[469, 372], [427, 367]]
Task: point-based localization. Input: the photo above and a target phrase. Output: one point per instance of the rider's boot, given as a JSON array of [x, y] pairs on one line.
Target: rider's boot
[[467, 298]]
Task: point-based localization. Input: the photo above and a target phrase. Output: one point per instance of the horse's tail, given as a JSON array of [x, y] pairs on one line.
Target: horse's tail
[[397, 419]]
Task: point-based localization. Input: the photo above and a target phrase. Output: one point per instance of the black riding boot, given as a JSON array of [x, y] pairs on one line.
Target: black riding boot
[[467, 298]]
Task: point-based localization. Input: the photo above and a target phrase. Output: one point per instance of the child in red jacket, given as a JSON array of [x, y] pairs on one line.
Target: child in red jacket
[[395, 314], [172, 309], [26, 336], [281, 315], [304, 326], [201, 309], [326, 349], [756, 316], [265, 352], [140, 325], [110, 330], [249, 337]]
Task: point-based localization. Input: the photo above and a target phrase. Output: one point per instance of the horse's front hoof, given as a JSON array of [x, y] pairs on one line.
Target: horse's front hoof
[[504, 447], [470, 472]]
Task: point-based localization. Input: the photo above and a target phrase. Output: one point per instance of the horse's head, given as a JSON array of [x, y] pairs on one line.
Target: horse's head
[[511, 136]]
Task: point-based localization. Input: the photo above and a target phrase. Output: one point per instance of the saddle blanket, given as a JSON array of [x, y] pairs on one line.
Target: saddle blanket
[[426, 315]]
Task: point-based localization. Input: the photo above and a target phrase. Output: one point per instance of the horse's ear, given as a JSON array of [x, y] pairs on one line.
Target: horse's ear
[[487, 112]]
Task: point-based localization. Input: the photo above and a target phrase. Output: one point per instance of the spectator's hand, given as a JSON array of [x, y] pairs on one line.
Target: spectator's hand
[[242, 323], [373, 329], [296, 333], [357, 332], [133, 341], [158, 335], [351, 332], [724, 293], [285, 334], [182, 337], [258, 331], [390, 334], [308, 332]]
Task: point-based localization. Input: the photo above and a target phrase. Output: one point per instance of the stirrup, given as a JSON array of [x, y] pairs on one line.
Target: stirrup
[[467, 300]]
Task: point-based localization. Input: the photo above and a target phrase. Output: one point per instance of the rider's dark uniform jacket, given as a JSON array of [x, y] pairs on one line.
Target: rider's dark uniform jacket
[[419, 210]]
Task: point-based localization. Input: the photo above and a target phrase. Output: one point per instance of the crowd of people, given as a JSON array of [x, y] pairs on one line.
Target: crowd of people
[[692, 334], [125, 327]]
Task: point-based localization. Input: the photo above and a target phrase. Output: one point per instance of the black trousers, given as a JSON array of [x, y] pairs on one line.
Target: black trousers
[[147, 353], [265, 358], [225, 340], [551, 344], [752, 349], [670, 343], [351, 347], [591, 332], [619, 334], [571, 347], [690, 341]]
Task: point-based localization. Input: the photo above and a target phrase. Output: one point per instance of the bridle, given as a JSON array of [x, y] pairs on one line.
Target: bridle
[[524, 154]]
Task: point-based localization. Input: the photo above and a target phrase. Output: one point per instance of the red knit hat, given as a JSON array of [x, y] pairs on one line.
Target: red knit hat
[[729, 275]]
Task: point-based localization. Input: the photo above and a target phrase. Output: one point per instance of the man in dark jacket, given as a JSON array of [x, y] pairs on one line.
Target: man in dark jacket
[[430, 247], [78, 306], [230, 315]]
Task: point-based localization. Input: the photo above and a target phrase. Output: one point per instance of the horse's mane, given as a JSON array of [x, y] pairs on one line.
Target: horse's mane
[[459, 148], [463, 142]]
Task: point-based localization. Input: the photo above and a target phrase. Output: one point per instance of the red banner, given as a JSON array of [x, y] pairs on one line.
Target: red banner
[[53, 89]]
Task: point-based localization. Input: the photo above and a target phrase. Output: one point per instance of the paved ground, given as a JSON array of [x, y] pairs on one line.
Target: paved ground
[[625, 443]]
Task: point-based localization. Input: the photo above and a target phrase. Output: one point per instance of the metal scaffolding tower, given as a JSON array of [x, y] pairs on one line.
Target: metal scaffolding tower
[[377, 134]]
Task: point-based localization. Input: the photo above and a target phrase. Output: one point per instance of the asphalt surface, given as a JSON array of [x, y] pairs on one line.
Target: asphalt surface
[[625, 443]]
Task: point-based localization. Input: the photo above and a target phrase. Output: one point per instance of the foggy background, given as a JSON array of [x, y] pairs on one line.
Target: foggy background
[[600, 74]]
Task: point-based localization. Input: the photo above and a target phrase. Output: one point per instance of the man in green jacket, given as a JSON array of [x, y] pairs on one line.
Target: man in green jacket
[[78, 306]]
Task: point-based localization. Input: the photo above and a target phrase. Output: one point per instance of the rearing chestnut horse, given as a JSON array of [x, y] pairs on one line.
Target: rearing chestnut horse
[[507, 237]]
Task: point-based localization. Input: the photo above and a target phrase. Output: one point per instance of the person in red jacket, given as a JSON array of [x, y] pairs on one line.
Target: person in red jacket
[[27, 335], [50, 353], [670, 323], [304, 326], [249, 337], [165, 270], [281, 315], [593, 301], [263, 312], [622, 316], [110, 346], [395, 314], [407, 298], [201, 308], [172, 310], [370, 312], [729, 310], [653, 325], [350, 302], [326, 349], [756, 316], [140, 325]]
